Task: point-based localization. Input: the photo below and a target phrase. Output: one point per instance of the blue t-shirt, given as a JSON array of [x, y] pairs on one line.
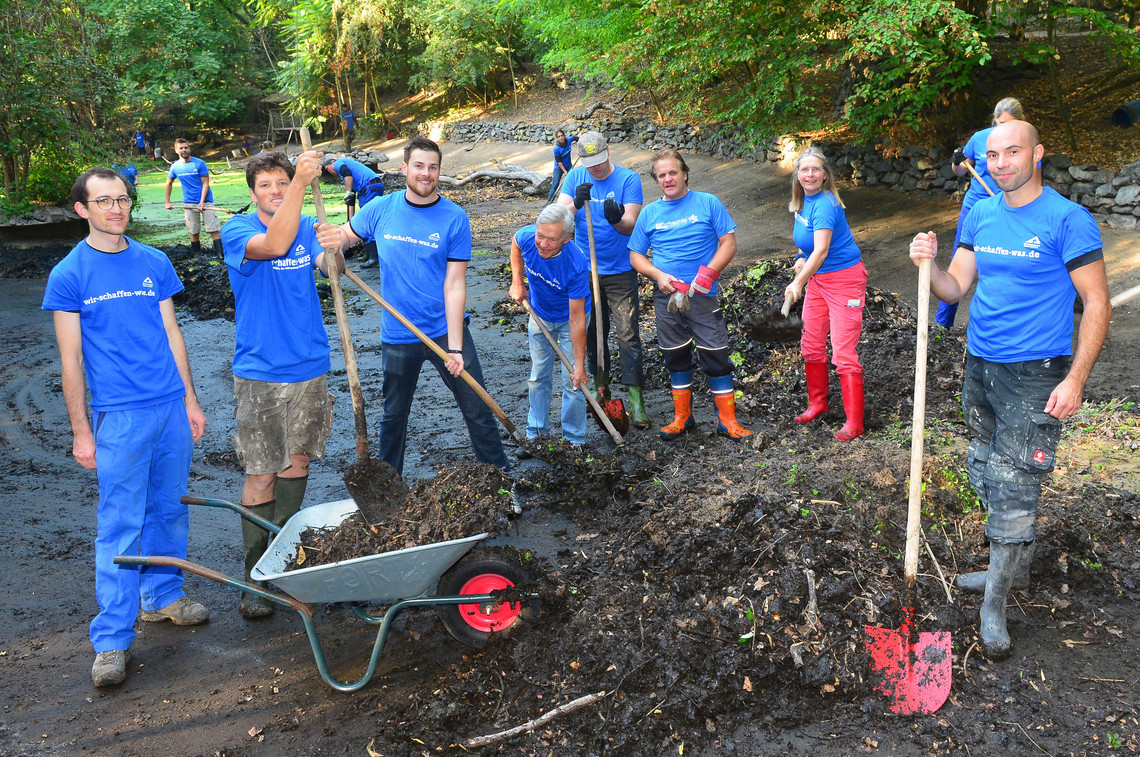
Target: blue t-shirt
[[822, 211], [975, 150], [281, 336], [683, 234], [126, 354], [129, 173], [414, 243], [554, 281], [140, 140], [190, 174], [562, 154], [611, 247], [349, 119], [364, 180], [1023, 306]]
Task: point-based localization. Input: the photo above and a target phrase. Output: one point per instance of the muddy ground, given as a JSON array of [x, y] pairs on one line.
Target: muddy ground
[[677, 578]]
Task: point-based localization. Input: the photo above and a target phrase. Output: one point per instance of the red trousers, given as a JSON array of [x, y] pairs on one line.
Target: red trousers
[[833, 302]]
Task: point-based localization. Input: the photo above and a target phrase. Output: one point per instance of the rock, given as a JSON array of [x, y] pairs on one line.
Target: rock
[[1128, 195], [1058, 160], [1105, 190], [1084, 188], [891, 177], [1130, 169], [1062, 189], [1083, 173], [1103, 177], [1049, 172], [1122, 222], [924, 164]]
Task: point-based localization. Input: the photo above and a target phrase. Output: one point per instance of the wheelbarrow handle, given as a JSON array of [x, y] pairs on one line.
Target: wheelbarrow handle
[[241, 510], [214, 575]]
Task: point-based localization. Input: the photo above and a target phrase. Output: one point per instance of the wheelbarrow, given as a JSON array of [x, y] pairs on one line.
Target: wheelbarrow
[[475, 596]]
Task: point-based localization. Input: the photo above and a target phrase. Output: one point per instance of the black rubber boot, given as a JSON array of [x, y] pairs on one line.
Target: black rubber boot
[[975, 581], [1005, 562], [195, 248], [218, 253]]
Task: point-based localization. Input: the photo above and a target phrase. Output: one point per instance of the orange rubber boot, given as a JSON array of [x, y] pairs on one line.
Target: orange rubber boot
[[726, 421], [852, 384], [817, 392], [682, 415]]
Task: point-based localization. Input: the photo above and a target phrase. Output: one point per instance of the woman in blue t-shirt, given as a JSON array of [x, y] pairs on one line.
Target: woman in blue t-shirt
[[562, 162], [974, 156], [830, 266]]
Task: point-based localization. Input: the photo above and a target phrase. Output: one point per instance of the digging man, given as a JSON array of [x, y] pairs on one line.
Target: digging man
[[1032, 252], [281, 359], [361, 184], [114, 322], [424, 244], [194, 177]]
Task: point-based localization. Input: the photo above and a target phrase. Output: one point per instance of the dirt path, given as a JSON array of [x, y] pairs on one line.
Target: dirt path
[[652, 554]]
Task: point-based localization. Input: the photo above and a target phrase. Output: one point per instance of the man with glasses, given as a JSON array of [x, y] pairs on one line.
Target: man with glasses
[[117, 335], [194, 176]]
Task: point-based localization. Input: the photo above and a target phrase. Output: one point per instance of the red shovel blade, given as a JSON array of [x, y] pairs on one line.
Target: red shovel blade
[[913, 677]]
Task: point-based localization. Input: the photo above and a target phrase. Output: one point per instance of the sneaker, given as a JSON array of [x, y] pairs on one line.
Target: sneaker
[[110, 668], [254, 606], [182, 612]]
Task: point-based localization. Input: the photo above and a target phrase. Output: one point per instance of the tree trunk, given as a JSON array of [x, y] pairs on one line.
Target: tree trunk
[[1050, 21]]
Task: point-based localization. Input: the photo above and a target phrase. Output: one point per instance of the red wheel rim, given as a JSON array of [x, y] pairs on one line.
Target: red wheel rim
[[477, 616]]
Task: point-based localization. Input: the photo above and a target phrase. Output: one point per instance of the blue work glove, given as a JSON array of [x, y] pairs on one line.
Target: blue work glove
[[613, 211], [705, 279], [582, 195]]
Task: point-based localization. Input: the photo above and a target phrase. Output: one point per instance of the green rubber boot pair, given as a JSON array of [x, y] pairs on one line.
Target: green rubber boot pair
[[288, 493]]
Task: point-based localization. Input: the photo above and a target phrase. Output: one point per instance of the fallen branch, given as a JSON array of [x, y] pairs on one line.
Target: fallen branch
[[508, 172], [541, 720], [611, 107]]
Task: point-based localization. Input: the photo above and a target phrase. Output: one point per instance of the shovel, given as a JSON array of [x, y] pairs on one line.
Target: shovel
[[599, 414], [237, 212], [431, 345], [367, 480], [911, 669], [979, 178], [614, 409], [774, 326]]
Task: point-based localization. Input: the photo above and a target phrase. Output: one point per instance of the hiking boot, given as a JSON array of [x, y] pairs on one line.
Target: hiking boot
[[637, 415], [110, 668], [181, 612], [254, 606]]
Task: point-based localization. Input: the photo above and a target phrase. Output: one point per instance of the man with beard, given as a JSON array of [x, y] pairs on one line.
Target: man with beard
[[194, 176], [1032, 252], [424, 244]]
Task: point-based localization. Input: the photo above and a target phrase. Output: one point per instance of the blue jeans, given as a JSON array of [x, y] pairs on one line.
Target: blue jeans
[[542, 359], [143, 460], [402, 364], [555, 182]]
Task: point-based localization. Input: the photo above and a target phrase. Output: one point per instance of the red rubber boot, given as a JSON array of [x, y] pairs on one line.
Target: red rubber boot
[[817, 392], [852, 385]]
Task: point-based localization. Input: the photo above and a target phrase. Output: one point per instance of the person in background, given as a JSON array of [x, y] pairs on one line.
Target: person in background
[[361, 184], [974, 155], [140, 142], [830, 266], [562, 148], [281, 356], [558, 292], [266, 146], [348, 118], [615, 198], [1032, 253], [118, 337], [129, 173], [693, 239], [197, 197]]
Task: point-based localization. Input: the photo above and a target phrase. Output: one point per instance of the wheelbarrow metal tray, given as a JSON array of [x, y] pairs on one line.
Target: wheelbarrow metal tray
[[386, 577]]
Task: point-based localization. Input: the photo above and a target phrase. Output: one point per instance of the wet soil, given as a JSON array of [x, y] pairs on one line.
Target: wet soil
[[715, 591]]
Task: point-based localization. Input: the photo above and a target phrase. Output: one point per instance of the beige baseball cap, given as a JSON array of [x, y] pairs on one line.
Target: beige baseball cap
[[592, 149]]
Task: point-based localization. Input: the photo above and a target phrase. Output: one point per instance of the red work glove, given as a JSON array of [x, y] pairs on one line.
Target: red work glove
[[679, 300], [705, 279]]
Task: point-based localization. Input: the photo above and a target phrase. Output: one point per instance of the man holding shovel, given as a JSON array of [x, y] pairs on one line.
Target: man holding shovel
[[361, 184], [1032, 252], [558, 294], [194, 176], [281, 360], [615, 198], [424, 245]]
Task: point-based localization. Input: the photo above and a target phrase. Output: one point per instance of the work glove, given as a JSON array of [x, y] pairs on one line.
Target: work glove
[[679, 300], [349, 198], [613, 211], [582, 195], [959, 156], [705, 279]]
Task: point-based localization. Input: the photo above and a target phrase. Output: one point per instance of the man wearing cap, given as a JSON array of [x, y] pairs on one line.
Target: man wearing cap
[[615, 198], [360, 183]]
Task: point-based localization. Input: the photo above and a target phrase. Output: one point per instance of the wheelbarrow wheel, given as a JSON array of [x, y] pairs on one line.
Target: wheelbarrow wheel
[[483, 572]]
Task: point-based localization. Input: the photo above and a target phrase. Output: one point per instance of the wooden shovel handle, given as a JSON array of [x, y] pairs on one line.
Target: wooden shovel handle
[[603, 351], [601, 414], [979, 178], [430, 344], [350, 367], [787, 305], [914, 500]]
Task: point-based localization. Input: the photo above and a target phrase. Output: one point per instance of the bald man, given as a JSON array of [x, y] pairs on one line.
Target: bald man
[[1032, 252]]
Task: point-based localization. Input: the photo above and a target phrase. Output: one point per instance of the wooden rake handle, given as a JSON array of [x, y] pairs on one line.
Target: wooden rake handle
[[601, 414], [350, 366]]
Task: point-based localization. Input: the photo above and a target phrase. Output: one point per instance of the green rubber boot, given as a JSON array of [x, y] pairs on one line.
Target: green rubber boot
[[256, 540], [637, 415]]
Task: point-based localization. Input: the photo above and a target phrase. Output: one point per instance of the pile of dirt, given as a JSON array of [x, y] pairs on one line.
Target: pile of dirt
[[460, 501]]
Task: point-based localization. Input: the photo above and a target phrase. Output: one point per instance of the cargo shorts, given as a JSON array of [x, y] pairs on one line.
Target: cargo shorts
[[196, 221], [276, 420]]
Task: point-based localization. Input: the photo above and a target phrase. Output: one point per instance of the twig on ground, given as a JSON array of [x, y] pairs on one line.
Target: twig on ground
[[1028, 737], [811, 614], [941, 575], [541, 720]]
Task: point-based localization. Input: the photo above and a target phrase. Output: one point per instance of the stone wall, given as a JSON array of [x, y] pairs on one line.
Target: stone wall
[[1112, 197]]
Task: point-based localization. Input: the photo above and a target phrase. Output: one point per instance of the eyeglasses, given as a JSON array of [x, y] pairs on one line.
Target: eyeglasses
[[106, 203]]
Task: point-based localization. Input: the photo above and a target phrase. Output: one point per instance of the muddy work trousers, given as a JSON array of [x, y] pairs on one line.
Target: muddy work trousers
[[702, 326], [1013, 440], [619, 305]]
